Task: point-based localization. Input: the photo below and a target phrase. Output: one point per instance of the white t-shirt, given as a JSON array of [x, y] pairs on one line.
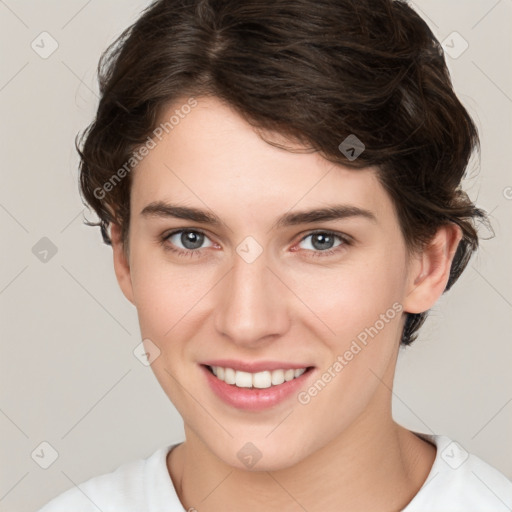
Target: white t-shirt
[[457, 482]]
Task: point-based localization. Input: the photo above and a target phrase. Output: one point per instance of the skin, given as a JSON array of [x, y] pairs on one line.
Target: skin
[[342, 451]]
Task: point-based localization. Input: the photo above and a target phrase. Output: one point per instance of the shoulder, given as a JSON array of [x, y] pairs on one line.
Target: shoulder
[[123, 489], [461, 481]]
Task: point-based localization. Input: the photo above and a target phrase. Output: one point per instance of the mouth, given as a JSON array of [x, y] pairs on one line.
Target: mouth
[[258, 380], [256, 391]]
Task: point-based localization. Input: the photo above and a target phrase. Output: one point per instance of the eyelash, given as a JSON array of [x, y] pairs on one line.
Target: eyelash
[[346, 241]]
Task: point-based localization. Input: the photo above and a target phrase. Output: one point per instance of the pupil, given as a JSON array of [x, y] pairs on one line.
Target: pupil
[[324, 239], [191, 240]]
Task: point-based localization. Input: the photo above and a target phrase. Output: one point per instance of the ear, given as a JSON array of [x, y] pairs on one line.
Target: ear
[[121, 263], [429, 270]]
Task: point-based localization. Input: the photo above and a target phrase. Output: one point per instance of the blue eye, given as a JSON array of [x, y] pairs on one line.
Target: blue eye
[[190, 240], [323, 243]]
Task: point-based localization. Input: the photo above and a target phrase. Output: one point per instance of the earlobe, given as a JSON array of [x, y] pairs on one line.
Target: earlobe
[[121, 263], [430, 270]]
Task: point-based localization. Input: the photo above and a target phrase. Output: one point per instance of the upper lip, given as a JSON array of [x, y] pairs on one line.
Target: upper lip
[[254, 366]]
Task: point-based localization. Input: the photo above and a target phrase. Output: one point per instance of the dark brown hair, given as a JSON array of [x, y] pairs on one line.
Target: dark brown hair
[[315, 71]]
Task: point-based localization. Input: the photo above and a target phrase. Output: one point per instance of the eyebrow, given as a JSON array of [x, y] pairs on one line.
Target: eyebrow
[[333, 212]]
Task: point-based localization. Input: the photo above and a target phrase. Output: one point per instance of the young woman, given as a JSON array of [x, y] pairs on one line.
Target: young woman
[[280, 184]]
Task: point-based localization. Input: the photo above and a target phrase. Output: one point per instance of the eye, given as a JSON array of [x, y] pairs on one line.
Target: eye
[[185, 241], [189, 242], [323, 243]]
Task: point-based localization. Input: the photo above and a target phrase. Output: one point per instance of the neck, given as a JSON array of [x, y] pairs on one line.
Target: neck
[[373, 465]]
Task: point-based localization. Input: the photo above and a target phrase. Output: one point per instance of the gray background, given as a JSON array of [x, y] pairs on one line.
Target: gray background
[[68, 373]]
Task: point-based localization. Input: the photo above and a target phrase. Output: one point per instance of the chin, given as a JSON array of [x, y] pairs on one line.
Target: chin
[[263, 455]]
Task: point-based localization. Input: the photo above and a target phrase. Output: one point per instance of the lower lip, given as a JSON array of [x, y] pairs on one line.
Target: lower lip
[[254, 399]]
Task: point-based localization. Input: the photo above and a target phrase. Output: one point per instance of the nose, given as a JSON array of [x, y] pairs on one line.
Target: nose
[[252, 305]]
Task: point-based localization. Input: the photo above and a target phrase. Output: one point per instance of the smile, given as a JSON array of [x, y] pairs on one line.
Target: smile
[[260, 380], [256, 391]]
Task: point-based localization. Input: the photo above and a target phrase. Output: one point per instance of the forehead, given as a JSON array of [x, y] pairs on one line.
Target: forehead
[[212, 158]]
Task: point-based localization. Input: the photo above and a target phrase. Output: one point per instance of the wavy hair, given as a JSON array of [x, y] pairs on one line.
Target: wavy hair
[[315, 71]]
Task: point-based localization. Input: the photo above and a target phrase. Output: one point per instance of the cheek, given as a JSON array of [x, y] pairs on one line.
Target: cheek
[[338, 302], [166, 294], [352, 296], [361, 305]]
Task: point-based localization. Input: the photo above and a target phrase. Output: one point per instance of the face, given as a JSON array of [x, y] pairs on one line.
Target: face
[[263, 285]]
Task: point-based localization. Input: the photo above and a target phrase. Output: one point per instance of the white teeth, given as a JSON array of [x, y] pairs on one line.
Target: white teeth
[[289, 375], [261, 380], [229, 376], [243, 380], [277, 377]]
